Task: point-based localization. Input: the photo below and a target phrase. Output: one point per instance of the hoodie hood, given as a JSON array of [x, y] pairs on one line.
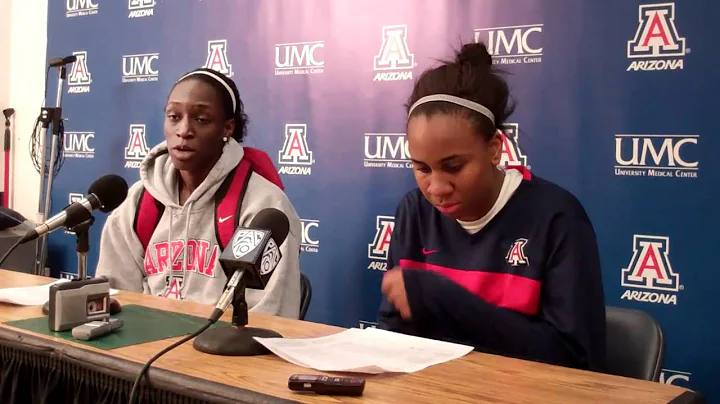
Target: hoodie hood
[[160, 178]]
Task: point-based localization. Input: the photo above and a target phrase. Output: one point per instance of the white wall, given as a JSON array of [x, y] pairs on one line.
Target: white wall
[[5, 9], [22, 76]]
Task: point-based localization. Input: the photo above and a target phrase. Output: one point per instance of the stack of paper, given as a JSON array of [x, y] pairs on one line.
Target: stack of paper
[[369, 350]]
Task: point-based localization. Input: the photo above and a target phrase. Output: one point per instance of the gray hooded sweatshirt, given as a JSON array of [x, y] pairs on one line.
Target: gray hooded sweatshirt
[[182, 256]]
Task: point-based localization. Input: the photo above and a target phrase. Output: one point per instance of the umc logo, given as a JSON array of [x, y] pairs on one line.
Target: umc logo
[[79, 8], [378, 249], [77, 145], [217, 58], [675, 377], [511, 155], [79, 78], [668, 156], [513, 45], [394, 60], [650, 269], [299, 58], [140, 8], [386, 150], [308, 243], [139, 68], [295, 155], [656, 42], [137, 147]]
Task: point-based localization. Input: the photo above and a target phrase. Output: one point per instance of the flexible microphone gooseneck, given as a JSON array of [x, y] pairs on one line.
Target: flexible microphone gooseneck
[[105, 194]]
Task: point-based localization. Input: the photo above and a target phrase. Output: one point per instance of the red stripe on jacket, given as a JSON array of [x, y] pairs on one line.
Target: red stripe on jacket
[[510, 291]]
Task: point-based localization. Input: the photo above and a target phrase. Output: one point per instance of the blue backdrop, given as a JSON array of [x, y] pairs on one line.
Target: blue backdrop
[[615, 100]]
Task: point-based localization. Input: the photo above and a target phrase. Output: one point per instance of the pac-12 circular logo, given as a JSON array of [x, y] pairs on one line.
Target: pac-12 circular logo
[[270, 259], [246, 241]]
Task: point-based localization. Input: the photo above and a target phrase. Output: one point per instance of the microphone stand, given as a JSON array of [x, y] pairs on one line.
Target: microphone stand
[[82, 245], [237, 339], [48, 115]]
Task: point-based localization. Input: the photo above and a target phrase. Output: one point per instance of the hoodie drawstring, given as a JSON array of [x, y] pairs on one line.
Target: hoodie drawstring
[[167, 271], [185, 252]]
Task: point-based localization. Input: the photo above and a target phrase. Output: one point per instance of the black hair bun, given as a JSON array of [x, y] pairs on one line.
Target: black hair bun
[[475, 54]]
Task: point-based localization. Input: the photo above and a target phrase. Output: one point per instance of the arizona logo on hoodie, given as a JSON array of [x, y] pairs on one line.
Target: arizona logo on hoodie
[[201, 257]]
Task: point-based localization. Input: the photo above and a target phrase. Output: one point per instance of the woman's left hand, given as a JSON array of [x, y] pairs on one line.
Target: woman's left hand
[[393, 286]]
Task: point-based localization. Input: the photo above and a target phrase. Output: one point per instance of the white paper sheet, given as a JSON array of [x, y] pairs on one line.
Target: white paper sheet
[[32, 295], [369, 350]]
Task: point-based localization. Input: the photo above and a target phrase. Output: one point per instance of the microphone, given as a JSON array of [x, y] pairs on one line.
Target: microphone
[[13, 223], [253, 254], [62, 61], [249, 262], [105, 194]]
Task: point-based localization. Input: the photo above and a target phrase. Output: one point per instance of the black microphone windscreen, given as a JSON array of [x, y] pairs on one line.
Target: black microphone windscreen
[[10, 218], [274, 220], [111, 190]]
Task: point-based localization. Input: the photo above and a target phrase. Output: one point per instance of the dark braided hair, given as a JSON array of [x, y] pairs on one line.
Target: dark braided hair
[[470, 76], [241, 119]]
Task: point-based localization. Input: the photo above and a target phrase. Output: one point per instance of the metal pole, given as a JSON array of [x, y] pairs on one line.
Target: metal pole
[[39, 246], [82, 265], [56, 118]]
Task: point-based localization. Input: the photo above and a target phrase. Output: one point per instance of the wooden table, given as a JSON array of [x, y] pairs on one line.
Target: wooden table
[[475, 378]]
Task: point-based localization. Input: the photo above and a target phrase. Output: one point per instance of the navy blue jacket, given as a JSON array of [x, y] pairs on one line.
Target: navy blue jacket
[[528, 285]]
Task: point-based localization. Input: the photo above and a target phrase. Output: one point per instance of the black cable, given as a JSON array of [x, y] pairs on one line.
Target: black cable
[[60, 158], [33, 145], [135, 388], [35, 148], [7, 254]]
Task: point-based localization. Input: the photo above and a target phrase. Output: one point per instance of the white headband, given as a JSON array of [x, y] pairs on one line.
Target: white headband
[[455, 100], [221, 81]]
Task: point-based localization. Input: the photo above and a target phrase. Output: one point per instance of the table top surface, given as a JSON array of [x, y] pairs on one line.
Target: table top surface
[[474, 378]]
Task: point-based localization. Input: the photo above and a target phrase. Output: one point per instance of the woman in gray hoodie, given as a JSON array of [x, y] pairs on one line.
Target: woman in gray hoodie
[[175, 253]]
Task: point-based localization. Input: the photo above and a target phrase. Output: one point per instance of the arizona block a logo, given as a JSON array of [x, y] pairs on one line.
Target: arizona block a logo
[[137, 147], [295, 157], [516, 254], [651, 272], [141, 8], [217, 58], [79, 78], [511, 154], [656, 45], [378, 249], [173, 285], [394, 60]]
